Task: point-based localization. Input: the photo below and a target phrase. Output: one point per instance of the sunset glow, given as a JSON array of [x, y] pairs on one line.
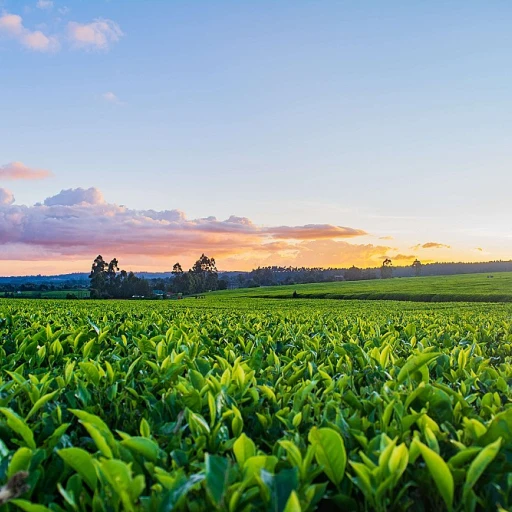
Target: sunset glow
[[295, 134]]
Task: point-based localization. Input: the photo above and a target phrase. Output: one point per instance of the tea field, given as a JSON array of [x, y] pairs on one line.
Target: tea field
[[240, 404], [466, 288]]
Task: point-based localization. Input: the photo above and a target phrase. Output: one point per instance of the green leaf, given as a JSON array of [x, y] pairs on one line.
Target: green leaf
[[91, 372], [27, 506], [217, 477], [82, 463], [440, 473], [501, 426], [145, 447], [181, 487], [99, 440], [19, 426], [244, 448], [145, 430], [329, 452], [293, 503], [42, 401], [20, 461], [414, 364], [479, 464]]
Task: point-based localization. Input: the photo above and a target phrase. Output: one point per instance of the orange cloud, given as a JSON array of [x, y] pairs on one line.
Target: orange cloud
[[431, 245], [314, 232], [79, 223], [404, 257], [19, 171]]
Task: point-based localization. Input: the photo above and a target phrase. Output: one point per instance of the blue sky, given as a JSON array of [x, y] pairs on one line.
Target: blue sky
[[389, 117]]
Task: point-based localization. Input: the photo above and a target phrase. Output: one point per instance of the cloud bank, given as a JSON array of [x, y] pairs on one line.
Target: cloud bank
[[79, 224], [19, 171]]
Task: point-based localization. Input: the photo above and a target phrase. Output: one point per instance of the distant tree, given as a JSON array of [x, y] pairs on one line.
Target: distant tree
[[417, 267], [98, 278], [206, 274], [386, 271], [105, 282], [353, 274]]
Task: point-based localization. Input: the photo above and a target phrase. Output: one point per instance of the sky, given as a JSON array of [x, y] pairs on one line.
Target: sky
[[298, 133]]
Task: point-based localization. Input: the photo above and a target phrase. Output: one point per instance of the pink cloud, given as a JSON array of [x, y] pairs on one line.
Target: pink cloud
[[6, 197], [314, 232], [431, 245], [97, 35], [11, 25], [19, 171], [79, 223]]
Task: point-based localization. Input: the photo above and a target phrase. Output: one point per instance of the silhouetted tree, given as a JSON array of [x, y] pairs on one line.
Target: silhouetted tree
[[416, 266], [386, 271]]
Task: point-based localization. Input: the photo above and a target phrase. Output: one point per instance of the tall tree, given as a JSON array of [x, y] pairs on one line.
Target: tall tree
[[98, 277], [417, 267], [386, 271]]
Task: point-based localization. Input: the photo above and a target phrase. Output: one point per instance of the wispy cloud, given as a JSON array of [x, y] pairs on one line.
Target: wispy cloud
[[44, 4], [431, 245], [404, 257], [111, 98], [97, 35], [11, 26], [389, 237], [19, 171]]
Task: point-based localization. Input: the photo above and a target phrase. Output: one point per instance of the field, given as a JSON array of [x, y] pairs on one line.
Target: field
[[470, 287], [240, 404], [54, 294]]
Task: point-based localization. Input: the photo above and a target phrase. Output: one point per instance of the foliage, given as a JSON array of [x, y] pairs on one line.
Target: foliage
[[246, 404], [107, 283], [202, 277]]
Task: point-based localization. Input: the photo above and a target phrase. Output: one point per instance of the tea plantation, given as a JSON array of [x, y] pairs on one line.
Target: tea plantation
[[243, 404]]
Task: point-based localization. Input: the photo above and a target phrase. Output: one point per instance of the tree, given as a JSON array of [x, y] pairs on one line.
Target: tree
[[386, 271], [206, 270], [98, 277], [353, 274], [417, 267], [107, 283]]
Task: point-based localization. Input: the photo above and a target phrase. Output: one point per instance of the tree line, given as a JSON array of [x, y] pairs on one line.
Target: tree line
[[107, 281]]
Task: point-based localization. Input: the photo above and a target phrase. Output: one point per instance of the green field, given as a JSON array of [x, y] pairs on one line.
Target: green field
[[244, 404], [469, 287], [53, 294]]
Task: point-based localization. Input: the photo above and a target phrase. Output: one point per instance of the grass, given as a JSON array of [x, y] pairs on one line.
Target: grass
[[463, 288]]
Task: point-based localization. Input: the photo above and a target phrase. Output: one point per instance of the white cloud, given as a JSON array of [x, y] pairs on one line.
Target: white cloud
[[111, 98], [11, 25], [44, 4], [97, 35], [76, 196]]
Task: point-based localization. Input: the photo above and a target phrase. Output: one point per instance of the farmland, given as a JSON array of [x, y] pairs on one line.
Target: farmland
[[234, 403], [466, 288]]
